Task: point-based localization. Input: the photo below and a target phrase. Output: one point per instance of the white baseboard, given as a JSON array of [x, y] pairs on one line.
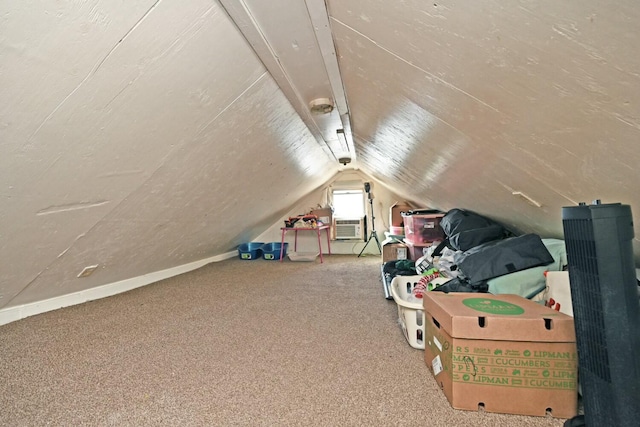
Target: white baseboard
[[11, 314]]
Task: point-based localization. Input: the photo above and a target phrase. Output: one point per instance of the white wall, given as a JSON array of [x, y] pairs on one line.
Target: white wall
[[307, 242]]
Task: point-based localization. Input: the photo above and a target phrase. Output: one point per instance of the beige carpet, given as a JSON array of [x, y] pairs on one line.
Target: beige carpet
[[246, 343]]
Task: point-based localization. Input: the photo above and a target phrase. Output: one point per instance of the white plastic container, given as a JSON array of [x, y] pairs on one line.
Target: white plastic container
[[303, 256], [410, 311]]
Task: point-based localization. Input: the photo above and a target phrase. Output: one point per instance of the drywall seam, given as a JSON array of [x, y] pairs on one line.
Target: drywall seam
[[13, 314], [411, 64], [94, 70]]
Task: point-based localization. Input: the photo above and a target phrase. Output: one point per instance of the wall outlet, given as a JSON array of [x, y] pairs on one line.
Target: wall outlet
[[87, 271]]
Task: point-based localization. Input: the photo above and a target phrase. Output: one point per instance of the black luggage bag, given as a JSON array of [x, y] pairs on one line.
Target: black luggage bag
[[466, 229], [500, 257]]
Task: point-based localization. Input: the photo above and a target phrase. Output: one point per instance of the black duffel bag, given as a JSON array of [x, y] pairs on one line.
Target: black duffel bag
[[466, 229], [500, 257]]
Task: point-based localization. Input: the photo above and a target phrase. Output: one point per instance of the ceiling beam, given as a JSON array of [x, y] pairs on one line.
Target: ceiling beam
[[322, 126]]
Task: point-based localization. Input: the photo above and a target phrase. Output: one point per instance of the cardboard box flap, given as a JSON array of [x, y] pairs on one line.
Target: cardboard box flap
[[324, 215], [497, 317], [395, 212]]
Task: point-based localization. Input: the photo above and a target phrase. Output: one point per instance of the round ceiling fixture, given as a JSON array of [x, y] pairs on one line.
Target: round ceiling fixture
[[321, 106], [344, 160]]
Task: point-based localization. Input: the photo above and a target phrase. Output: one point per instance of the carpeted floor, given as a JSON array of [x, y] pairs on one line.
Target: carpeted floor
[[235, 343]]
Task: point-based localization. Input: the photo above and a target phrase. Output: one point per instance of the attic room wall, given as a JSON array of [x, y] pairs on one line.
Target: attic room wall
[[307, 242], [143, 136], [137, 137]]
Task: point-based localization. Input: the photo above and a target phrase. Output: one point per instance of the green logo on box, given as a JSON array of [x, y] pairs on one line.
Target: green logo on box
[[492, 306]]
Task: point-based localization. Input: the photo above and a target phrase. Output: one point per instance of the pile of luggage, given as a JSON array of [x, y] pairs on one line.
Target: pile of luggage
[[481, 255]]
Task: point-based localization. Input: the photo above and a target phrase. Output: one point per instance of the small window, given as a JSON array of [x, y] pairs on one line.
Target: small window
[[348, 203]]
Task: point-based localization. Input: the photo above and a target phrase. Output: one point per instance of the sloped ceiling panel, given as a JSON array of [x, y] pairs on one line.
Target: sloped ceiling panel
[[467, 103], [144, 149], [146, 134]]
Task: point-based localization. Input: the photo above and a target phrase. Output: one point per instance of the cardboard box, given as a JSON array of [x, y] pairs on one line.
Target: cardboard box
[[395, 217], [325, 215], [501, 353], [393, 251]]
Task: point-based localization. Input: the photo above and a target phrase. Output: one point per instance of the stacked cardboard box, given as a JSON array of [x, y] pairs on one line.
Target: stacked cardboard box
[[395, 213], [501, 353], [394, 249]]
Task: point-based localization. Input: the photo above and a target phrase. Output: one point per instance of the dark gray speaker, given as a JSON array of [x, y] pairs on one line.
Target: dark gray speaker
[[606, 309]]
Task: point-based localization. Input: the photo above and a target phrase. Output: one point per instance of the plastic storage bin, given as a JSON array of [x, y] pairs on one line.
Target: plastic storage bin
[[395, 230], [251, 250], [415, 252], [271, 251], [302, 256], [410, 310], [422, 229]]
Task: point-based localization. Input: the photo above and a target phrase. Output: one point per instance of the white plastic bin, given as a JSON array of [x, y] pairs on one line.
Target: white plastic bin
[[410, 310], [303, 256]]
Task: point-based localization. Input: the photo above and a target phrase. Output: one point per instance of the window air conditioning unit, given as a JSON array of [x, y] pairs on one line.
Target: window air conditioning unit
[[348, 229]]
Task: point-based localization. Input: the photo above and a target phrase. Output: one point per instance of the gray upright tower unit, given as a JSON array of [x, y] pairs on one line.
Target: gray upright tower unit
[[604, 294]]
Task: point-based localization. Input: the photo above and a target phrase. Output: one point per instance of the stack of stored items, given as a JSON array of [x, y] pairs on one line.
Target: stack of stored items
[[302, 221], [421, 229], [393, 247], [410, 231], [479, 255], [315, 218], [486, 343]]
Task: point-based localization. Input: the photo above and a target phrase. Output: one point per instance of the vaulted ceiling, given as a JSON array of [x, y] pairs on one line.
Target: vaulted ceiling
[[152, 133]]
